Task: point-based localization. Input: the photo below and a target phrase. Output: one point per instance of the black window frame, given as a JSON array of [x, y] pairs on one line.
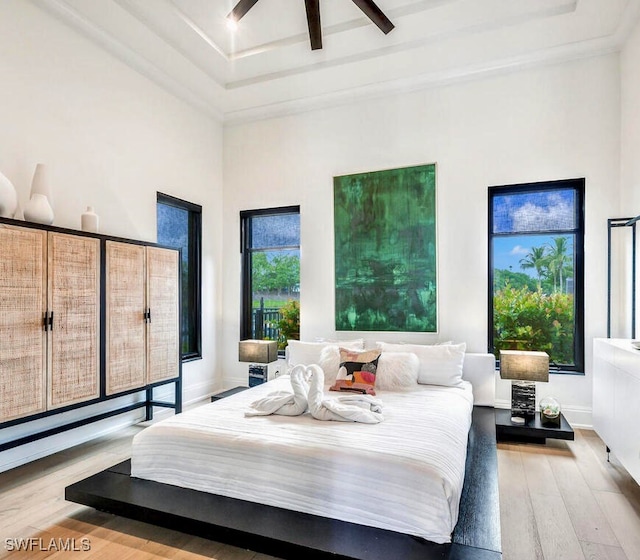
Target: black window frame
[[246, 252], [578, 186], [194, 259]]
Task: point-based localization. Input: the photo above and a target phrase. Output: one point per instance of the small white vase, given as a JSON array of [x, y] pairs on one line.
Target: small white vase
[[40, 182], [8, 198], [38, 210], [89, 220]]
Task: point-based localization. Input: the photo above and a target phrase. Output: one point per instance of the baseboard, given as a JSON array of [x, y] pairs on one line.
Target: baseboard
[[24, 454]]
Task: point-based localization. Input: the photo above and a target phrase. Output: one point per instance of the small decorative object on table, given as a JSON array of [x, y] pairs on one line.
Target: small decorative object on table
[[89, 220], [8, 198], [38, 210], [549, 412]]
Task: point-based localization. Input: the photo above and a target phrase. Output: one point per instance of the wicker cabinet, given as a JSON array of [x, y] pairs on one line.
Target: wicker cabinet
[[142, 316], [125, 316], [84, 318], [49, 320], [23, 300], [163, 342], [73, 296]]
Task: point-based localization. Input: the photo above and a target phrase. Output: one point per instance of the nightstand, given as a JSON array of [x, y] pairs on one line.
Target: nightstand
[[227, 393], [532, 431]]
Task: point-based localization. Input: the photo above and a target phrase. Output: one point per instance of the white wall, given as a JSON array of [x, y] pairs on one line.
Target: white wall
[[630, 130], [111, 139], [630, 172], [538, 124]]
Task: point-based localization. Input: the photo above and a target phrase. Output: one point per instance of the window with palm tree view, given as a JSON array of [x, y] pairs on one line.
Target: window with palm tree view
[[271, 274], [536, 270]]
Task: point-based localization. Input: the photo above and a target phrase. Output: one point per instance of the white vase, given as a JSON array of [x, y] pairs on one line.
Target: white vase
[[8, 198], [40, 182], [89, 220], [38, 210]]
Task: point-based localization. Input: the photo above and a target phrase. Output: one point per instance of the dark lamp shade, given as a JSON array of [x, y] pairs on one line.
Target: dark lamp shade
[[524, 366], [258, 351]]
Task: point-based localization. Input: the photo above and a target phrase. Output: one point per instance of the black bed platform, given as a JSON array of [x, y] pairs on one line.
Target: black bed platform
[[293, 535]]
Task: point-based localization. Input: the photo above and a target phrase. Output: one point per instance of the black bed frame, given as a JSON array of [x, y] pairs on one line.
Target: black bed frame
[[294, 535]]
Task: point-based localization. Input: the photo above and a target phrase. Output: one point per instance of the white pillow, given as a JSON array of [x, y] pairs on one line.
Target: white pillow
[[439, 365], [330, 363], [308, 353], [397, 370]]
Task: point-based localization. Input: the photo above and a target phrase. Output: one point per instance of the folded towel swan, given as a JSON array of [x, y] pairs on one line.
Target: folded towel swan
[[308, 392], [352, 408], [283, 402]]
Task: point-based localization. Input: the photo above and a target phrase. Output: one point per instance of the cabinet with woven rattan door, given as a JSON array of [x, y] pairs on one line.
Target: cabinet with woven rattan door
[[23, 301], [73, 296], [49, 320], [142, 315]]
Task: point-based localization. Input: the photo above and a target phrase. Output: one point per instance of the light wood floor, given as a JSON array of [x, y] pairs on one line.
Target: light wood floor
[[559, 501]]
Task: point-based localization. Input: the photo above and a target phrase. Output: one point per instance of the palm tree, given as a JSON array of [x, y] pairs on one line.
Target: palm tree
[[559, 262], [536, 258]]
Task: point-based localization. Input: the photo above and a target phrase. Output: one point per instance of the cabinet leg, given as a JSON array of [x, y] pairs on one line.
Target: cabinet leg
[[149, 415], [178, 401]]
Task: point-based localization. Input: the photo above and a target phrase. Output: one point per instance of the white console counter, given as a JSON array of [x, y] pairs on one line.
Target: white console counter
[[616, 399]]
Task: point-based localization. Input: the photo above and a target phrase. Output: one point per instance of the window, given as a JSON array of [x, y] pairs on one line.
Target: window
[[270, 245], [179, 225], [536, 270]]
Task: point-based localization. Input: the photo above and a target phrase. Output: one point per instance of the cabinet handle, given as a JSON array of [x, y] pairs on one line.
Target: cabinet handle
[[45, 321], [51, 321], [149, 314]]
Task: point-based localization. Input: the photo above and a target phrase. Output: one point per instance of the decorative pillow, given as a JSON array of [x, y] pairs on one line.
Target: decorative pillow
[[397, 370], [439, 365], [308, 353], [357, 371], [330, 363]]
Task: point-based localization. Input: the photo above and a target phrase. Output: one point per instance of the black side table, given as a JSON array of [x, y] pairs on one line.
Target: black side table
[[227, 393], [532, 431]]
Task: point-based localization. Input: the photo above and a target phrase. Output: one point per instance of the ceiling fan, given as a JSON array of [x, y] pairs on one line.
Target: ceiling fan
[[369, 8]]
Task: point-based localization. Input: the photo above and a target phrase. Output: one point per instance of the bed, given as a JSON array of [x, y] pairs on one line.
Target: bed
[[400, 479]]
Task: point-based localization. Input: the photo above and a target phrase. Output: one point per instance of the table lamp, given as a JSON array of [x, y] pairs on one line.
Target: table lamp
[[258, 353], [524, 369]]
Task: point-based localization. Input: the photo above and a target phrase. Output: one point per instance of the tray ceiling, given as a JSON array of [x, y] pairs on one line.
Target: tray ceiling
[[266, 67]]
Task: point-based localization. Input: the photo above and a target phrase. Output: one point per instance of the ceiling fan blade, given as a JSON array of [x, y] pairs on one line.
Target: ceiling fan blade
[[313, 21], [240, 9], [375, 14]]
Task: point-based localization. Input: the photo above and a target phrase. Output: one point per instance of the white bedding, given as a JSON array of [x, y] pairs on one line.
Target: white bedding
[[404, 474]]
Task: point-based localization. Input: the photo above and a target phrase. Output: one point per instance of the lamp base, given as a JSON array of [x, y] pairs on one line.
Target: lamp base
[[258, 374], [523, 398]]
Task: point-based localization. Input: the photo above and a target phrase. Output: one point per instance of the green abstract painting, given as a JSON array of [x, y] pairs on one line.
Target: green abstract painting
[[385, 250]]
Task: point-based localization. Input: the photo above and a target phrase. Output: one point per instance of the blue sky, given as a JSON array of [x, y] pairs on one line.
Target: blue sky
[[541, 211], [507, 251]]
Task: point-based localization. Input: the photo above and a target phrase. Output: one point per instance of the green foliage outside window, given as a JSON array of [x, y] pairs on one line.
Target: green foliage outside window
[[533, 320], [289, 323], [537, 313]]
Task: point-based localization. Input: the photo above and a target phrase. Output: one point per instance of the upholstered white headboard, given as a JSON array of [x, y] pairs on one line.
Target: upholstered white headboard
[[480, 371]]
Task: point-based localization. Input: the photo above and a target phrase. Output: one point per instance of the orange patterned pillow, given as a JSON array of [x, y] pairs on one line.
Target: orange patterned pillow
[[357, 372]]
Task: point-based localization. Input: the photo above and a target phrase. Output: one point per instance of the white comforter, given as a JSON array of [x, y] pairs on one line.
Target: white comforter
[[404, 474]]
